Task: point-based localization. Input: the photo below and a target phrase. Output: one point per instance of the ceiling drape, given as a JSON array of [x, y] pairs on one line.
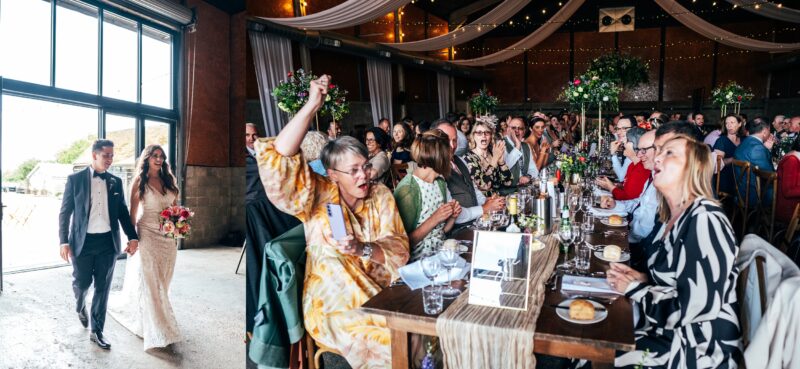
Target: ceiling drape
[[347, 14], [697, 24], [460, 35], [529, 41], [769, 10]]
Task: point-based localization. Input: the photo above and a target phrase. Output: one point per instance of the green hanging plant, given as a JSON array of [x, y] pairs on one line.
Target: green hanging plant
[[623, 69]]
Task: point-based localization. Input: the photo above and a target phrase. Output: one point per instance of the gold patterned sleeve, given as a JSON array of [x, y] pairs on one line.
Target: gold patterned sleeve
[[391, 238], [289, 182]]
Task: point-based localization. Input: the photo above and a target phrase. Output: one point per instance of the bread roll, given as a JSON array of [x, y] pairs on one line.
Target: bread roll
[[615, 220], [612, 252], [581, 310]]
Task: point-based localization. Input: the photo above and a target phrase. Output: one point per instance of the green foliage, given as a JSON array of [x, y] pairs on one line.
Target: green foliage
[[622, 69], [21, 171], [589, 90], [483, 102], [292, 94], [69, 154], [730, 93]]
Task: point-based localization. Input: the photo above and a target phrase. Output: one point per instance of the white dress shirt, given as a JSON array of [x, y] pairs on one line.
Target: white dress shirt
[[99, 220], [644, 211], [620, 167], [515, 155]]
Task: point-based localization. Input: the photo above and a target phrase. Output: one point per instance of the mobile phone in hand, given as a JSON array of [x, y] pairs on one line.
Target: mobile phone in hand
[[336, 220]]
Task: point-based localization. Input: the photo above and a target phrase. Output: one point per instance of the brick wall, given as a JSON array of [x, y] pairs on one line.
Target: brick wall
[[216, 194]]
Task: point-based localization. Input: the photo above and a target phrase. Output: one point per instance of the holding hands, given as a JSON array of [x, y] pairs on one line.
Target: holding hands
[[620, 276], [133, 246]]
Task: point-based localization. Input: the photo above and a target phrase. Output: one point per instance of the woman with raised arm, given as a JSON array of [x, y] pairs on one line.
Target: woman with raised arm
[[340, 274]]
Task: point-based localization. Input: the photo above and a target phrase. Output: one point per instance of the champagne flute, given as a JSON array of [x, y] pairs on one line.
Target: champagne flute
[[449, 257]]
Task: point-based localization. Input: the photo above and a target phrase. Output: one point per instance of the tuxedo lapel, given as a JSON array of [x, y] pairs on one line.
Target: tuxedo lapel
[[111, 185], [87, 190]]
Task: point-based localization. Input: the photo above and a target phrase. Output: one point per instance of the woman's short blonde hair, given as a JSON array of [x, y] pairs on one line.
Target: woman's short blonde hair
[[312, 145], [432, 149], [471, 137], [697, 175]]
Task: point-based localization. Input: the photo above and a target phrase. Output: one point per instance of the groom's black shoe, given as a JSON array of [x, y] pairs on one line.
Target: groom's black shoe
[[84, 319], [97, 337]]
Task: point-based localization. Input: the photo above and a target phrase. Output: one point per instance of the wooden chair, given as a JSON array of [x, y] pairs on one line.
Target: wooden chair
[[764, 213], [721, 196], [315, 351], [790, 231], [741, 287], [741, 178]]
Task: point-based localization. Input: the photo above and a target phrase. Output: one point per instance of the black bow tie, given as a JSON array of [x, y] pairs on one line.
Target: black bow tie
[[102, 176]]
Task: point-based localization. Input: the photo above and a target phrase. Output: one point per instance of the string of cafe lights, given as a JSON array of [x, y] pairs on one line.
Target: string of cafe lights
[[627, 47], [651, 60], [528, 22]]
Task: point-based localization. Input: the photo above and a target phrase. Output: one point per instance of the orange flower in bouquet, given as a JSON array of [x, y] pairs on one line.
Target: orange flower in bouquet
[[176, 221]]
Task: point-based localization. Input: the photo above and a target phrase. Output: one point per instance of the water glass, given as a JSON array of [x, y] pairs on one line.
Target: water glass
[[431, 266], [449, 258], [583, 255], [588, 222], [432, 300]]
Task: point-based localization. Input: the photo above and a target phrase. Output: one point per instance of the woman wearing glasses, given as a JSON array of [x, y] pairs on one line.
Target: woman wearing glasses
[[424, 201], [620, 165], [487, 161], [688, 295], [340, 274], [636, 175]]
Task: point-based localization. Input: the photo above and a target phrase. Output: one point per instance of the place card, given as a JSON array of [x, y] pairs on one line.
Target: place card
[[500, 275]]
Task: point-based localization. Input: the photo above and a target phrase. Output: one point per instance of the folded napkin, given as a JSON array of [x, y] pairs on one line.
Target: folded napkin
[[415, 278], [605, 213], [574, 283]]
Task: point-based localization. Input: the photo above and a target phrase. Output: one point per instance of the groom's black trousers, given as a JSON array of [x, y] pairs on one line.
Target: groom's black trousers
[[96, 261]]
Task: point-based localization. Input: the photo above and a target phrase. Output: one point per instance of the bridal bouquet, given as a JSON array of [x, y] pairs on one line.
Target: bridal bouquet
[[175, 221], [292, 94]]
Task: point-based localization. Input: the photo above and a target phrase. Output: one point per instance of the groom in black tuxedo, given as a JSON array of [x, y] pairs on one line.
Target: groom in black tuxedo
[[92, 210]]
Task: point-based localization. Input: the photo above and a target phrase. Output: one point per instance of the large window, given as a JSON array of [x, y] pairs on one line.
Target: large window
[[72, 71]]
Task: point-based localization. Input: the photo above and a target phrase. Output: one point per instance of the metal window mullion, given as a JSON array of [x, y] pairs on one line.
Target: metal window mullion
[[53, 43], [101, 19], [139, 62], [101, 122]]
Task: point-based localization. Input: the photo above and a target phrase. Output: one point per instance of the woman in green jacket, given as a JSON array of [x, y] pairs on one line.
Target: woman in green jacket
[[424, 202]]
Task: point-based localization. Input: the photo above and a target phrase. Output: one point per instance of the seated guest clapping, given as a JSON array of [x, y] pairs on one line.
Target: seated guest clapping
[[688, 295], [424, 201], [340, 274], [377, 142], [636, 175], [461, 186], [788, 183], [487, 161], [520, 156]]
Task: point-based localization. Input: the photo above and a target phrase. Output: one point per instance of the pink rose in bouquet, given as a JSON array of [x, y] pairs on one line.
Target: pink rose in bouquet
[[175, 221]]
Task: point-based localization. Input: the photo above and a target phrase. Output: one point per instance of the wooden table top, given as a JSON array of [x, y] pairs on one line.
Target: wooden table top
[[402, 308]]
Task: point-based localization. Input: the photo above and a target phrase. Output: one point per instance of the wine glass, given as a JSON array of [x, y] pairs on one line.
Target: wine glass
[[586, 203], [565, 235], [431, 266], [448, 255], [573, 205]]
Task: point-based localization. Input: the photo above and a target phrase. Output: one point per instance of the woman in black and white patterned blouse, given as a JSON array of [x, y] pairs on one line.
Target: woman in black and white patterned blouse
[[688, 296]]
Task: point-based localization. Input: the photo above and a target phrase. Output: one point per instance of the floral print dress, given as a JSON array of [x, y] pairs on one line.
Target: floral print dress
[[487, 177], [432, 199], [336, 285]]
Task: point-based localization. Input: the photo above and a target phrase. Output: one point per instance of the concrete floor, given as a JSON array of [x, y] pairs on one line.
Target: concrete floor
[[40, 329]]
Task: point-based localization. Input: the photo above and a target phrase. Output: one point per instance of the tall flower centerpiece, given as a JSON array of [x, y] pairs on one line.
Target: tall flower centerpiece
[[483, 102], [292, 94], [589, 90], [731, 93], [623, 69]]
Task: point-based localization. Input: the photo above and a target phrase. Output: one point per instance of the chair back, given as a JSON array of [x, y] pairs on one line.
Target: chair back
[[742, 292], [791, 229], [741, 179], [765, 211], [717, 175]]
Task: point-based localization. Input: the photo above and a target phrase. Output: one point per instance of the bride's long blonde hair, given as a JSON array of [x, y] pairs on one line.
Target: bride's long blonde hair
[[165, 174]]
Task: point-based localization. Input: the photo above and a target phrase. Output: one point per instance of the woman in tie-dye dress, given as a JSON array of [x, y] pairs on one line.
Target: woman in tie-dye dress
[[340, 275]]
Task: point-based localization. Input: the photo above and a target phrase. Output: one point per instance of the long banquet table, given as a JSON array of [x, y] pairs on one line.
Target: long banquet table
[[597, 342]]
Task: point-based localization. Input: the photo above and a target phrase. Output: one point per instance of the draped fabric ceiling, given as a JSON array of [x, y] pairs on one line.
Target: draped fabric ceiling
[[769, 10], [469, 32], [720, 35], [347, 14]]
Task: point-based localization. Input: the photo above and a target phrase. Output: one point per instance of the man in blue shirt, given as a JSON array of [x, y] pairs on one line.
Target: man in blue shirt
[[755, 149]]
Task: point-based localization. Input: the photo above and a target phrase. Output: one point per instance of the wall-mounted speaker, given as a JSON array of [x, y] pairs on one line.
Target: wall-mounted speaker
[[617, 19]]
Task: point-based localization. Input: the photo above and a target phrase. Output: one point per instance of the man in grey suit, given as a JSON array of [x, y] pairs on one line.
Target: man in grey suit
[[92, 210]]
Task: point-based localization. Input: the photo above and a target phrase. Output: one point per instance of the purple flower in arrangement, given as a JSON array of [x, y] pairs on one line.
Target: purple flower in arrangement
[[428, 362], [301, 94]]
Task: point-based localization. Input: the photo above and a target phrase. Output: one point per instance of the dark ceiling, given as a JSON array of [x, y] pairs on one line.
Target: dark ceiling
[[229, 6], [648, 13]]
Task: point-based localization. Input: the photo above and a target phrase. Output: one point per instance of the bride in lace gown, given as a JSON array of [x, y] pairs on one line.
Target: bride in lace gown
[[143, 305]]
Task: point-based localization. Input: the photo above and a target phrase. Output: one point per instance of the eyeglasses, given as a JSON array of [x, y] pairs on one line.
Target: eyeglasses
[[655, 120], [354, 171], [517, 128], [482, 133], [643, 150], [369, 140]]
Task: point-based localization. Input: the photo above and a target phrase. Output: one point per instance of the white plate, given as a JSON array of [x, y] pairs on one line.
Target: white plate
[[605, 221], [623, 257], [598, 315]]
